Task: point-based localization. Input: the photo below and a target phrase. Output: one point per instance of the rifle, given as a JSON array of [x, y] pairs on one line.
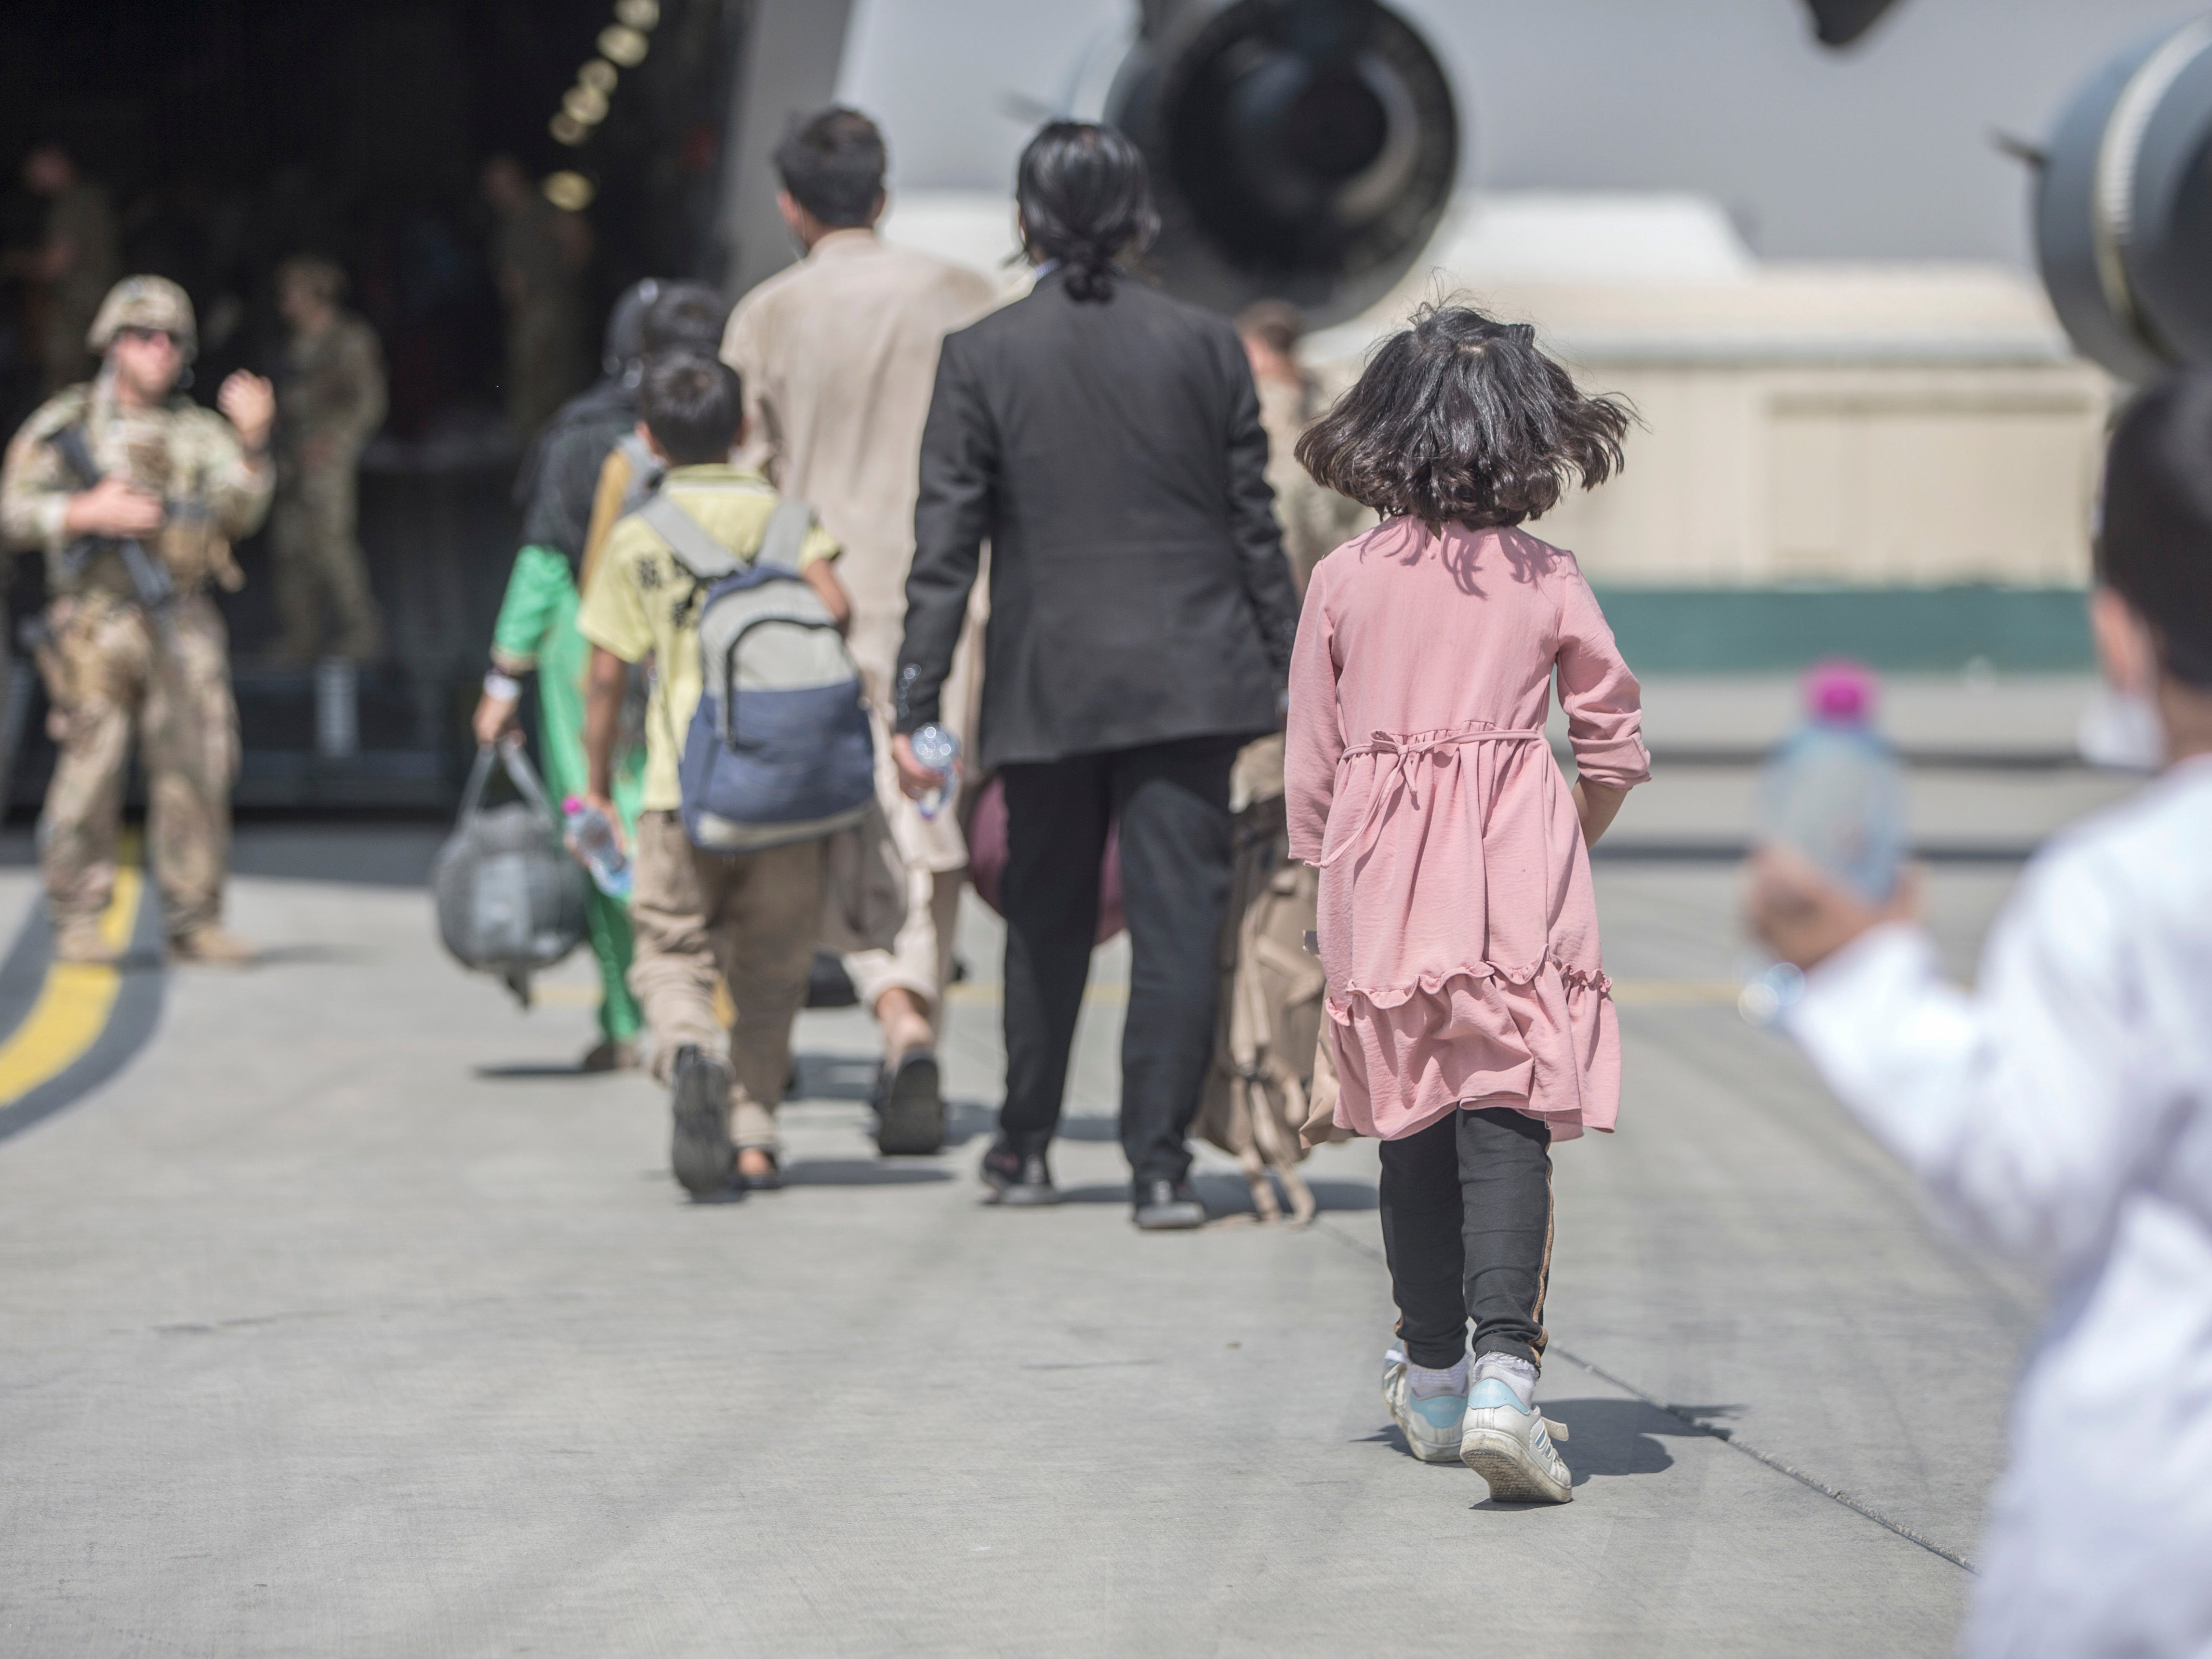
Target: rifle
[[151, 582]]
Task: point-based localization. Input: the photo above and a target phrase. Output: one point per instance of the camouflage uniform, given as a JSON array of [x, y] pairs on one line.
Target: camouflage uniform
[[330, 402], [1315, 519], [82, 214], [545, 318], [111, 663]]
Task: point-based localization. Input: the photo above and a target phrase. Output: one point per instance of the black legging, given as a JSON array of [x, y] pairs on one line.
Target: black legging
[[1171, 800], [1466, 1225]]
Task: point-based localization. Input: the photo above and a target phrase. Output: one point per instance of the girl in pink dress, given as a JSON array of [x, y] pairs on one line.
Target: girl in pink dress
[[1469, 1015]]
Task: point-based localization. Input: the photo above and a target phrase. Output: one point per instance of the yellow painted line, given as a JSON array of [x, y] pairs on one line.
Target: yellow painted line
[[74, 1001], [1677, 992], [990, 994], [566, 996]]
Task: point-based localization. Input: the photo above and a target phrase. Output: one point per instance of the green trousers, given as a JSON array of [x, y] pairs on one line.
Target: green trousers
[[537, 629]]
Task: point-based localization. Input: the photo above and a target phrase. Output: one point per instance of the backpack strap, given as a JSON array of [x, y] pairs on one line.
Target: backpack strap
[[694, 545], [785, 538], [700, 552]]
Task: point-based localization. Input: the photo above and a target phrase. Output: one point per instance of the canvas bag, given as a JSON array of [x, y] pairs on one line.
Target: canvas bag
[[510, 900], [780, 749]]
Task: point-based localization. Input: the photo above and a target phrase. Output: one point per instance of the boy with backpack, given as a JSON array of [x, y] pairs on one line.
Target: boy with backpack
[[744, 783]]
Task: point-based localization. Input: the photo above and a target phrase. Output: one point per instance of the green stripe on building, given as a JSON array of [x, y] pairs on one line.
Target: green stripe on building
[[1739, 630]]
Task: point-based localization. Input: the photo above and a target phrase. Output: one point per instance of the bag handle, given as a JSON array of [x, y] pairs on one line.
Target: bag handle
[[524, 776], [479, 774], [520, 773]]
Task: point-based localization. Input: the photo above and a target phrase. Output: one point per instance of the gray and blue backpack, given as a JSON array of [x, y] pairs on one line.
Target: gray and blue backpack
[[780, 749]]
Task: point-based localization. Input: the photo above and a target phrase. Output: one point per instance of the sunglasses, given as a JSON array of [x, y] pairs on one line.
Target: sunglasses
[[138, 336]]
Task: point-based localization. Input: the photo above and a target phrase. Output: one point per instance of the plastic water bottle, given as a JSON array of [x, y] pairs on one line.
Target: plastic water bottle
[[938, 750], [1834, 791], [591, 837]]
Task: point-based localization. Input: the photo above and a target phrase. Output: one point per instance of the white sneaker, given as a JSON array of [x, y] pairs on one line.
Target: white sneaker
[[1431, 1426], [1510, 1445]]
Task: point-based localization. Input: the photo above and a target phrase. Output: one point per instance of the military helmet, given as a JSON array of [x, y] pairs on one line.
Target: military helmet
[[324, 278], [145, 302]]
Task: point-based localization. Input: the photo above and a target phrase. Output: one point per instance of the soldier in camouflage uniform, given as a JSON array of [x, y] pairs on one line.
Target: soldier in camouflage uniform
[[135, 494], [538, 255], [330, 402], [1315, 519], [74, 263]]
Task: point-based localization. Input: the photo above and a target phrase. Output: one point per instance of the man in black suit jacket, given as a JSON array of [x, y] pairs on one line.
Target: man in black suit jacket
[[1105, 439]]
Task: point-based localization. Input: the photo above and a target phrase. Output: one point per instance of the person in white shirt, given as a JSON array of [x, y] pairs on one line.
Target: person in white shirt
[[2060, 1111]]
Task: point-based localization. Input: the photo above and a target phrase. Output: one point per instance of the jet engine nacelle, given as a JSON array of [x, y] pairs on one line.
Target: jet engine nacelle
[[2124, 207], [1300, 149]]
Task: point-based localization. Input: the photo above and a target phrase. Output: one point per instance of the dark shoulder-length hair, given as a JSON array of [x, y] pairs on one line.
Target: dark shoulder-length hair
[[1461, 416], [1086, 200], [2154, 543]]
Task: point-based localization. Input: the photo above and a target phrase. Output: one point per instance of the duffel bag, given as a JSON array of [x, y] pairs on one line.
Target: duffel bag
[[510, 898]]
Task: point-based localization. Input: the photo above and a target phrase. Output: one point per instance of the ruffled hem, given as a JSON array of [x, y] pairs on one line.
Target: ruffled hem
[[1435, 983], [1542, 1042]]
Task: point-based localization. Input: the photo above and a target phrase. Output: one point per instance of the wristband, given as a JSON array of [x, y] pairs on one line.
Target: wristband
[[502, 688]]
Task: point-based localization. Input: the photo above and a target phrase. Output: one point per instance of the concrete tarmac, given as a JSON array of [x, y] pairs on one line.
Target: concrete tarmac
[[347, 1320]]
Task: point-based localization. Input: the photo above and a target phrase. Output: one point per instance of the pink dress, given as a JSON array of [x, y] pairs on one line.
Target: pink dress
[[1458, 926]]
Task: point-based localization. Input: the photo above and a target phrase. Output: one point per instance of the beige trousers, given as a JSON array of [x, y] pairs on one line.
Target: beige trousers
[[936, 859], [751, 917], [920, 959], [174, 683]]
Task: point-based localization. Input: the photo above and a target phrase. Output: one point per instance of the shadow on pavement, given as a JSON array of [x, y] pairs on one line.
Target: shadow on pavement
[[834, 1077], [852, 1078], [1225, 1193], [372, 855], [967, 1120], [859, 1172], [284, 955], [1604, 1436], [1620, 1436]]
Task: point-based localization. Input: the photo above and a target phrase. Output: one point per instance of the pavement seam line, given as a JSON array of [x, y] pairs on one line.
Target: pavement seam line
[[1812, 1483]]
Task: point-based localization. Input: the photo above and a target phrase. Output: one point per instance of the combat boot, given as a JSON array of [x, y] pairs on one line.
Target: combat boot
[[210, 944], [79, 940]]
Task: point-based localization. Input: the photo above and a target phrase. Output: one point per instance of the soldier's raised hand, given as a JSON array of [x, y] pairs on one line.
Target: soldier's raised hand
[[249, 404], [113, 507]]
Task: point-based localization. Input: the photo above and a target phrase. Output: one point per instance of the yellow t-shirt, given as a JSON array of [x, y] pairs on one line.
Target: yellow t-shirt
[[639, 602]]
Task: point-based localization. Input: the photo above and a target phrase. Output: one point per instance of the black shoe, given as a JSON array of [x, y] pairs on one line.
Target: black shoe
[[1020, 1180], [699, 1149], [909, 1106], [1167, 1206]]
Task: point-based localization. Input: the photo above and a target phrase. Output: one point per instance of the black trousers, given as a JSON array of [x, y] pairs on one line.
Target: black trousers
[[1172, 802], [1466, 1227]]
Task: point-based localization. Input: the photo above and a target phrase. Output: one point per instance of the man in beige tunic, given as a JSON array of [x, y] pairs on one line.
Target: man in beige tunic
[[838, 355]]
